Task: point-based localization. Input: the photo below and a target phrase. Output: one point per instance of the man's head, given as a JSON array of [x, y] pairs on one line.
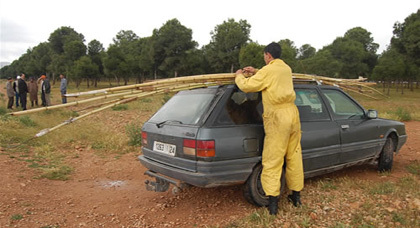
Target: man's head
[[9, 79], [272, 51], [62, 76], [22, 76], [43, 77]]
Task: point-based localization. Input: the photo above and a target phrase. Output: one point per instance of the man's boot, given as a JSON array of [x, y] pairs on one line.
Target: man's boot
[[295, 198], [273, 205]]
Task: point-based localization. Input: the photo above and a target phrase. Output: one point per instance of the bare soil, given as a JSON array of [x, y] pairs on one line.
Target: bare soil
[[110, 192]]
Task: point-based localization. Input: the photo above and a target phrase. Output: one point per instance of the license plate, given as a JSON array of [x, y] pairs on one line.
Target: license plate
[[165, 148]]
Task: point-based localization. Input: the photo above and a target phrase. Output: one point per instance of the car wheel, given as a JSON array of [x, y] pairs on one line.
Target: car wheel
[[253, 191], [387, 156]]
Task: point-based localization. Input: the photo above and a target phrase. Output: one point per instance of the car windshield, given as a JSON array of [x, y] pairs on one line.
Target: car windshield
[[186, 107]]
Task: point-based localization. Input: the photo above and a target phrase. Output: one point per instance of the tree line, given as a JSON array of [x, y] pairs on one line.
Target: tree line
[[170, 52]]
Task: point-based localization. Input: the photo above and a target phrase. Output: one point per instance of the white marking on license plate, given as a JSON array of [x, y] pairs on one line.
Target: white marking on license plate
[[164, 148]]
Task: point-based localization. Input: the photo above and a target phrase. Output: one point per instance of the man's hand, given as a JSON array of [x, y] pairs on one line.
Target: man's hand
[[239, 72], [249, 70]]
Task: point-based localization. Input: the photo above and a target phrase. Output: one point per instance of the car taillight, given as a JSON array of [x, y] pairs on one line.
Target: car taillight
[[206, 148], [200, 148], [144, 138], [189, 147]]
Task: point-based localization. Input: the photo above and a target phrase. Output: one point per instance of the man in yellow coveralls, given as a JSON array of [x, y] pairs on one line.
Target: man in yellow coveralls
[[281, 125]]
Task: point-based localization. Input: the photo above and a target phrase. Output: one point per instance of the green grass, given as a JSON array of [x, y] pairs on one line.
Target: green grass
[[134, 134], [16, 217], [414, 168], [120, 107], [397, 106], [27, 121]]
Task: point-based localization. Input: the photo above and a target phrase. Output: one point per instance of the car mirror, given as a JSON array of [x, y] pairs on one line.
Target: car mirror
[[372, 114]]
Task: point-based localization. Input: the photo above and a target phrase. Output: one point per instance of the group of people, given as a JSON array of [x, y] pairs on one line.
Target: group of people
[[19, 89]]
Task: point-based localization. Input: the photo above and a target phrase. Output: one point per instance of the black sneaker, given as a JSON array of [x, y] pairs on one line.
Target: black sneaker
[[273, 206], [295, 198]]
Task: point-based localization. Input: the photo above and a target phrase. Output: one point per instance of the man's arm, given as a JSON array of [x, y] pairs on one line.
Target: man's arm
[[255, 83]]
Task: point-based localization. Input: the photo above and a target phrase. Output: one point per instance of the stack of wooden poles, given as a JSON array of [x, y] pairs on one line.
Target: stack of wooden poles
[[129, 93]]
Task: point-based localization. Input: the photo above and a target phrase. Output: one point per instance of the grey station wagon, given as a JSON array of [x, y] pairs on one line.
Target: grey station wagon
[[214, 136]]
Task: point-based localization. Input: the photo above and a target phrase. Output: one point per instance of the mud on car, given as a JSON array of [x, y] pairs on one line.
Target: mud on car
[[214, 136]]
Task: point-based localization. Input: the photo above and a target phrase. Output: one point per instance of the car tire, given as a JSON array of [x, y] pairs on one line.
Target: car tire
[[253, 191], [387, 156]]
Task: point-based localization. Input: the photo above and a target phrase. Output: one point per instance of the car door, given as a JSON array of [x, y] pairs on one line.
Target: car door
[[320, 135], [358, 141]]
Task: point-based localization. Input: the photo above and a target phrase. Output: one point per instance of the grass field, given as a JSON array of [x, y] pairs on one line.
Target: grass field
[[349, 202]]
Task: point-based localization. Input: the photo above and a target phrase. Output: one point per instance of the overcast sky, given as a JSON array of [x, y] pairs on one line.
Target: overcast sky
[[26, 23]]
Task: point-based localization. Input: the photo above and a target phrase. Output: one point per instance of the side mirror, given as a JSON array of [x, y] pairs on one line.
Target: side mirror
[[372, 114]]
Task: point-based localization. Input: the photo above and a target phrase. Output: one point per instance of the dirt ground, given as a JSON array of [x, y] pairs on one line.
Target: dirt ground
[[109, 192]]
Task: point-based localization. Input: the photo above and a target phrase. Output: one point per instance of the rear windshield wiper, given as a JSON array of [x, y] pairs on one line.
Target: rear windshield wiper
[[159, 125]]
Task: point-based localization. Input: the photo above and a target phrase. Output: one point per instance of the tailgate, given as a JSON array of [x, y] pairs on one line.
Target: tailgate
[[165, 145]]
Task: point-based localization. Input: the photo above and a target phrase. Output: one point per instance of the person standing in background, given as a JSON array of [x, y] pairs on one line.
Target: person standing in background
[[63, 88], [23, 90], [10, 92], [16, 89], [33, 91], [45, 91]]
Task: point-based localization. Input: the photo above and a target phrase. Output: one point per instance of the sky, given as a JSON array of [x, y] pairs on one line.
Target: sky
[[26, 23]]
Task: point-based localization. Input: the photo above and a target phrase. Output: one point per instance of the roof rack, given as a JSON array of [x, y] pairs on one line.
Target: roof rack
[[306, 81]]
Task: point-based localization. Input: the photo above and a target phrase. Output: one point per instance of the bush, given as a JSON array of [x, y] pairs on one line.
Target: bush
[[121, 107], [403, 115], [3, 111], [27, 121], [134, 134]]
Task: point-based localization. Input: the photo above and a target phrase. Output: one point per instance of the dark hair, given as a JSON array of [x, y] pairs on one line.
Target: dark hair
[[274, 49]]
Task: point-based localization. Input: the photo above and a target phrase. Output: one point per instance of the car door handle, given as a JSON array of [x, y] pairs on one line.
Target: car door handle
[[345, 126]]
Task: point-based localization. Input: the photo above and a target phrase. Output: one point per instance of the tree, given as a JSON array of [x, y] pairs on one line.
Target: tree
[[390, 67], [406, 40], [61, 36], [252, 54], [67, 46], [96, 53], [364, 37], [122, 59], [84, 68], [170, 45], [226, 41], [288, 52], [146, 62], [322, 63], [306, 51]]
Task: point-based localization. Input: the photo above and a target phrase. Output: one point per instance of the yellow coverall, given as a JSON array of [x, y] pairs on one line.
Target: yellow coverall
[[281, 125]]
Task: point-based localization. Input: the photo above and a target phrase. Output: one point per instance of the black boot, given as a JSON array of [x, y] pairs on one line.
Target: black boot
[[295, 198], [273, 205]]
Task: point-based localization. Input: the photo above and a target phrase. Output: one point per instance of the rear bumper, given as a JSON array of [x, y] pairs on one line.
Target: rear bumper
[[209, 174]]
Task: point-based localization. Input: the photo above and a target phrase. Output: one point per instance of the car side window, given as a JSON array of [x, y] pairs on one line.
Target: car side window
[[343, 107], [241, 108], [310, 105]]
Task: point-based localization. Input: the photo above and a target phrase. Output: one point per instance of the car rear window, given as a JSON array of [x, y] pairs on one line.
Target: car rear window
[[241, 108], [186, 107]]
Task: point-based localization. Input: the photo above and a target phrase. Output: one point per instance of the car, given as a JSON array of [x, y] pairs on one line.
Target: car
[[213, 136]]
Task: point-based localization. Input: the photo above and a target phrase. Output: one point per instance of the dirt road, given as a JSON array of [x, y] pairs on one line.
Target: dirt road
[[110, 192]]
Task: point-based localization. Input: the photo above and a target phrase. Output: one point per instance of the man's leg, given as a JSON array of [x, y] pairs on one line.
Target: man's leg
[[277, 130], [10, 104], [294, 164]]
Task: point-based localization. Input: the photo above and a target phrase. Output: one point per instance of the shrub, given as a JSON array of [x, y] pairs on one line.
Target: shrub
[[27, 121], [134, 134], [3, 111], [121, 107], [402, 114]]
